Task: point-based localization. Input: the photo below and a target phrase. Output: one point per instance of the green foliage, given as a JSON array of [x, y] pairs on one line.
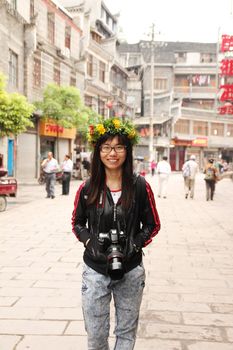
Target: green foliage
[[62, 104], [15, 112], [112, 126]]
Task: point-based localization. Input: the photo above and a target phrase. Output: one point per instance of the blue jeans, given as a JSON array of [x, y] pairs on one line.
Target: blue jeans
[[97, 291]]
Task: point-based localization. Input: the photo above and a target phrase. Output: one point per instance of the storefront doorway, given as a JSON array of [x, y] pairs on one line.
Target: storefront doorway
[[46, 145]]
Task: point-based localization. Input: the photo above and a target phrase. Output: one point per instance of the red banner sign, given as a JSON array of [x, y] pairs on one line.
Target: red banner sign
[[227, 67], [227, 43], [226, 71], [227, 94], [226, 109]]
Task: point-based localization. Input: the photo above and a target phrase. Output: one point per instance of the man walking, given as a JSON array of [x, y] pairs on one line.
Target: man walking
[[50, 167], [67, 167], [163, 170], [190, 169]]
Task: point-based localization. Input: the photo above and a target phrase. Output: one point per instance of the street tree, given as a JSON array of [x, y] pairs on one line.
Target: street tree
[[15, 111], [63, 104]]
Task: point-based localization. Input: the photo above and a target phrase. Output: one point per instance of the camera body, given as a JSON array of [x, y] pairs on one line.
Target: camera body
[[112, 243]]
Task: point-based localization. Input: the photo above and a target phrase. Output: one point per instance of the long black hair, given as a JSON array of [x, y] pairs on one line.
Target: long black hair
[[98, 176]]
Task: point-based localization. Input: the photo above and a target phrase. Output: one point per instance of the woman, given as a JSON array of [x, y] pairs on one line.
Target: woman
[[211, 177], [114, 217]]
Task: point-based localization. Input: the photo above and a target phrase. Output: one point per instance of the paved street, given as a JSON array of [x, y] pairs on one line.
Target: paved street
[[188, 298]]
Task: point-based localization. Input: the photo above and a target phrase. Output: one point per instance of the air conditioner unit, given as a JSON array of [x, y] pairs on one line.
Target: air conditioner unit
[[63, 53]]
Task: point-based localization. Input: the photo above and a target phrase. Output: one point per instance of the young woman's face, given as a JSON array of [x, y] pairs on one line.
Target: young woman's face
[[113, 153]]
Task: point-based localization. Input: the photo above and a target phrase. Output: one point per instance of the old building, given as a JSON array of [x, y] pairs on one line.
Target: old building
[[186, 97], [105, 78], [12, 65], [44, 47]]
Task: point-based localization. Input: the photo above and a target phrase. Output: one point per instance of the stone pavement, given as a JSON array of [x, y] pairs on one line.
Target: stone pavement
[[188, 298]]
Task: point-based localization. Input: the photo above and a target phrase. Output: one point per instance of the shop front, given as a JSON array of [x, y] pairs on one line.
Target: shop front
[[183, 149], [33, 146], [55, 138]]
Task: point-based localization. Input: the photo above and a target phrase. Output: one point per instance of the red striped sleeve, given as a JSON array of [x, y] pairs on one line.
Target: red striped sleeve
[[75, 207], [154, 213]]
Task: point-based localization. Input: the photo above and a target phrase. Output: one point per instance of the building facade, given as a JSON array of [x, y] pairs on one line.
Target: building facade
[[44, 47], [185, 94]]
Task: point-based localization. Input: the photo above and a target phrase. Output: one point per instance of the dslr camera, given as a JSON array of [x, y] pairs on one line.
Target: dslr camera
[[112, 243]]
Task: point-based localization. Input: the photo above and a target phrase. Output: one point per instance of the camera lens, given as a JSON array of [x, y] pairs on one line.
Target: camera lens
[[116, 271]]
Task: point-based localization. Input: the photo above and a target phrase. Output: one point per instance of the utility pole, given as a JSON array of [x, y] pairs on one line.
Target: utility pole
[[151, 129]]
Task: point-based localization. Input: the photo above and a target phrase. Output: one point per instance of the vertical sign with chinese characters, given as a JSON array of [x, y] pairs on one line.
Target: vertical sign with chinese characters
[[226, 73]]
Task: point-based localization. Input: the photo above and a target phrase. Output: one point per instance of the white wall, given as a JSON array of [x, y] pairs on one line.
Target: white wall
[[26, 156]]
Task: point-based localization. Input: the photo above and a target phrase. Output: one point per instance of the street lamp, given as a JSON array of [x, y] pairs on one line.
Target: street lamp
[[151, 128], [151, 45]]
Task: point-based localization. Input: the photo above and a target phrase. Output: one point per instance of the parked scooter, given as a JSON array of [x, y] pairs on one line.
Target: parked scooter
[[41, 178]]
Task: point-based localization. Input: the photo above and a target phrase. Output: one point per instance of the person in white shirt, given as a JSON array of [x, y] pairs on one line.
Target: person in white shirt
[[67, 167], [50, 167], [190, 169], [163, 170]]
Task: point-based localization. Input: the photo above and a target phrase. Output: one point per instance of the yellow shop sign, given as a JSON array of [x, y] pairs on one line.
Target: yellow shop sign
[[50, 128]]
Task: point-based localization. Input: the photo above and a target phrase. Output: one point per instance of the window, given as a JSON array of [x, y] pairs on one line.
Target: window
[[32, 8], [101, 109], [51, 27], [217, 129], [182, 126], [90, 65], [230, 130], [72, 80], [180, 57], [96, 37], [37, 72], [133, 60], [13, 68], [102, 71], [67, 36], [207, 57], [13, 4], [160, 84], [200, 128], [88, 101], [57, 73]]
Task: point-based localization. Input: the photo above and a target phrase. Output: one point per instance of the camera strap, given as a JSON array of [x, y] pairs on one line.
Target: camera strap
[[100, 209]]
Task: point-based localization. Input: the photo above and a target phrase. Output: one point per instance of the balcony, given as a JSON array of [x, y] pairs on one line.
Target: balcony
[[158, 141], [204, 92]]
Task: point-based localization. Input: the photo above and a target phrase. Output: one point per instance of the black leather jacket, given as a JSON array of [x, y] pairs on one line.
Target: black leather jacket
[[140, 224]]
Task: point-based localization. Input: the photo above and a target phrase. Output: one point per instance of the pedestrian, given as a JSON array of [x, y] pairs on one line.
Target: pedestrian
[[211, 177], [189, 171], [86, 167], [67, 167], [50, 167], [114, 217], [163, 170], [153, 167]]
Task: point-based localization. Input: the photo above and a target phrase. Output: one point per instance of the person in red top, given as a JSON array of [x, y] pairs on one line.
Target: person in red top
[[153, 167], [115, 217]]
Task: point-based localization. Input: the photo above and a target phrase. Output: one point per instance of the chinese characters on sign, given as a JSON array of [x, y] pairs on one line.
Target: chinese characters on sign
[[226, 69]]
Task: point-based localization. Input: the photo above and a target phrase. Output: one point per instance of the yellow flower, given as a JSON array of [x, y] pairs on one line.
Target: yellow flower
[[101, 129], [116, 123], [89, 138], [131, 134]]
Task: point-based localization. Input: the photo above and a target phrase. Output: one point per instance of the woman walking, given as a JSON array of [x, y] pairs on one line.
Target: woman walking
[[211, 177]]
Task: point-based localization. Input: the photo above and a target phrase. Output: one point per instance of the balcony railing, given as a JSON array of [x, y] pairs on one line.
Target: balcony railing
[[195, 89]]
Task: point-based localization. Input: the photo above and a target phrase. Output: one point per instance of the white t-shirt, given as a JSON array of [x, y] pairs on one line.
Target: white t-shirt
[[116, 195]]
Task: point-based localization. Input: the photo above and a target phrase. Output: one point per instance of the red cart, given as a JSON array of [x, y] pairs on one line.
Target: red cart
[[8, 188]]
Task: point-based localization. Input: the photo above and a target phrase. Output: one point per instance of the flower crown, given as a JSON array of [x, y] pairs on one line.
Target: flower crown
[[112, 126]]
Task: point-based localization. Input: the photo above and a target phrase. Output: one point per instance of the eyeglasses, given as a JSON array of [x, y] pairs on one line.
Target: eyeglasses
[[108, 149]]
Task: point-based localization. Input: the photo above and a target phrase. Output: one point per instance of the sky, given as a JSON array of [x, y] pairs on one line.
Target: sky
[[175, 20]]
